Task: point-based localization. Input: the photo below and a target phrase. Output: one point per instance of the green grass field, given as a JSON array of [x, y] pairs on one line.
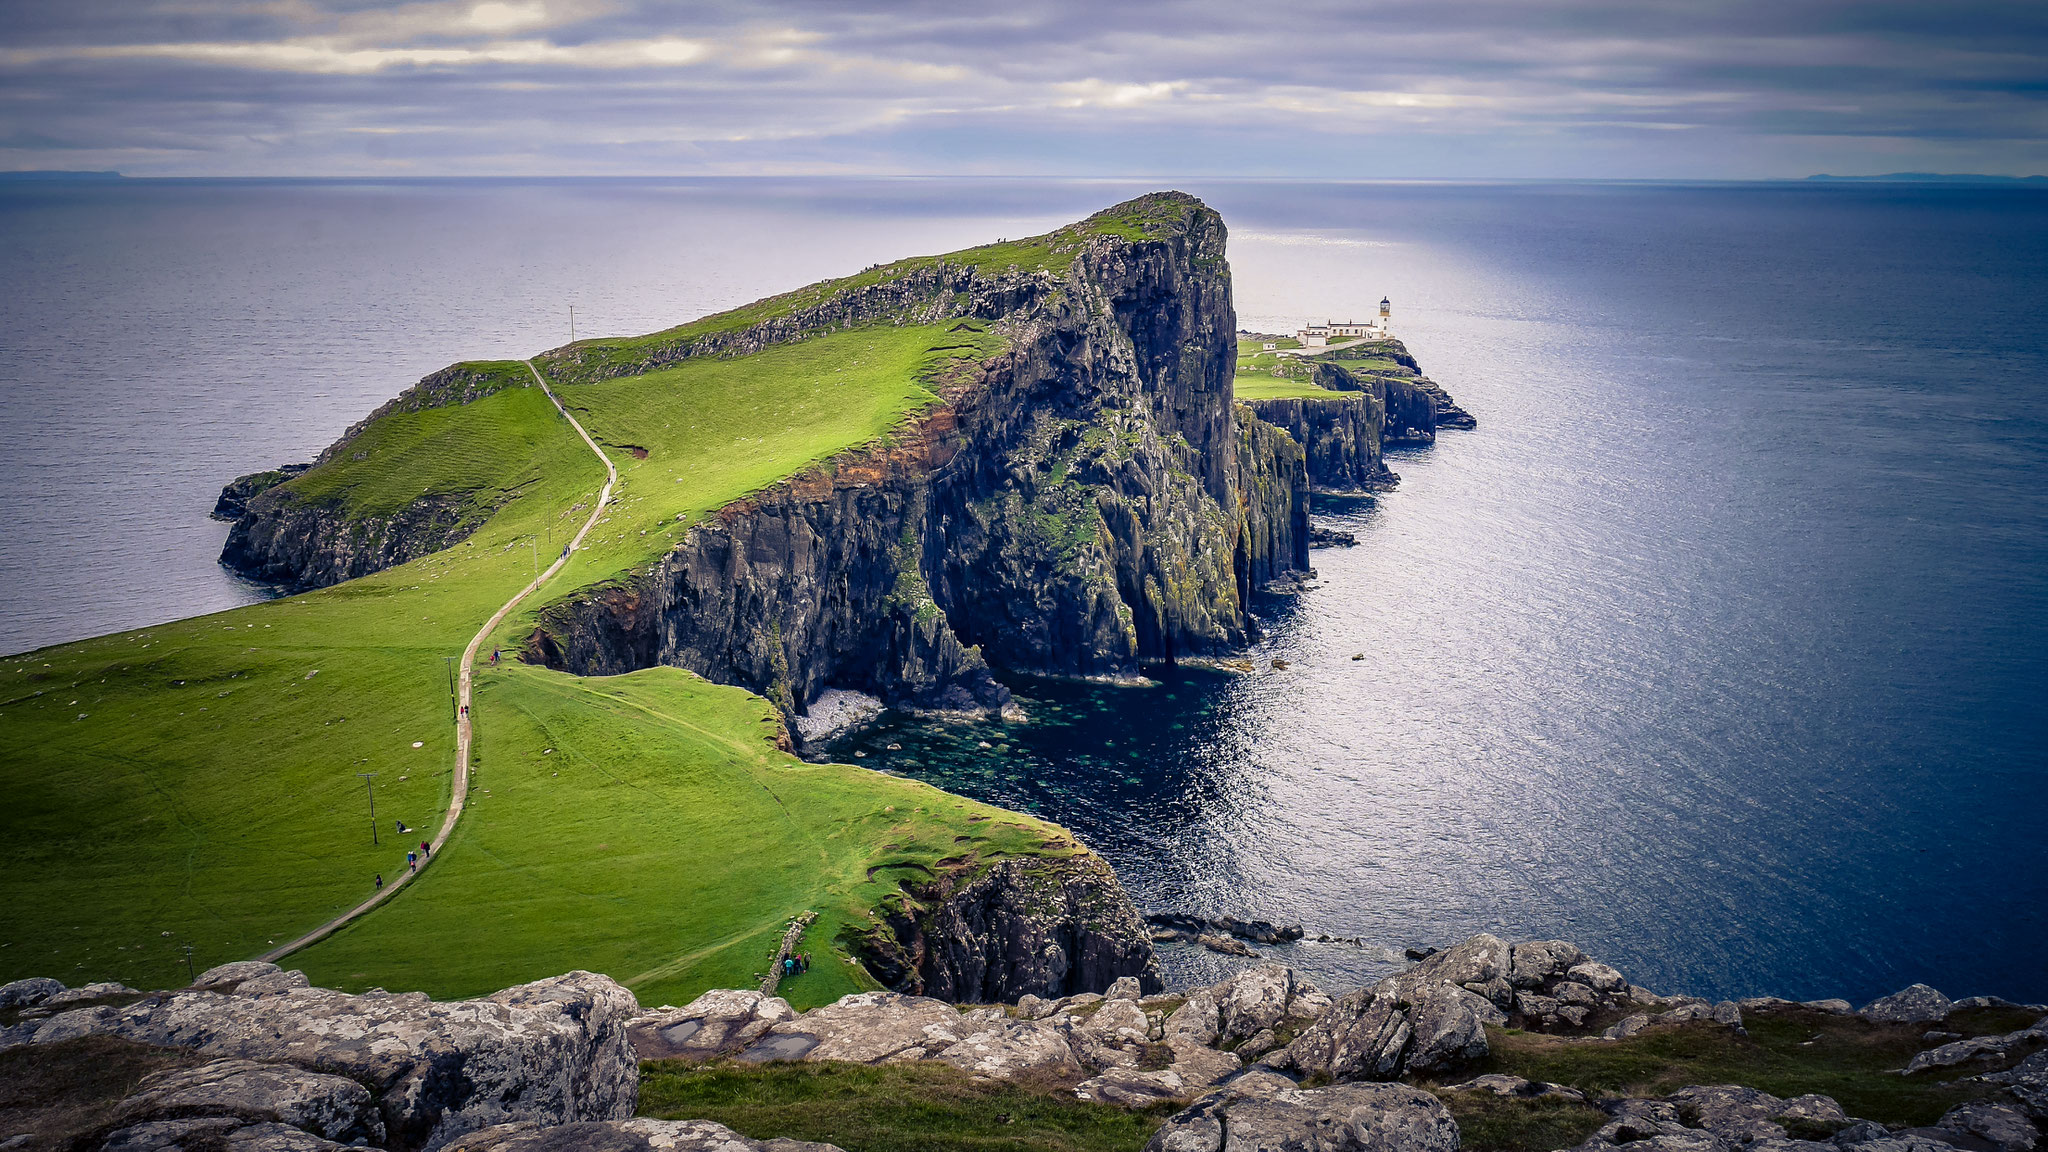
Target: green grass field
[[1263, 387], [643, 826], [195, 783]]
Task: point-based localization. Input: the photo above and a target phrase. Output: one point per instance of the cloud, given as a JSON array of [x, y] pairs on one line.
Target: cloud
[[1357, 88]]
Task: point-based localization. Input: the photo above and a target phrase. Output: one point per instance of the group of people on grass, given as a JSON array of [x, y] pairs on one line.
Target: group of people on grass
[[795, 964], [412, 858]]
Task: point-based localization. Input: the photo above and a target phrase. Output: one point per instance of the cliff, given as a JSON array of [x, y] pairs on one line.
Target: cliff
[[1085, 502], [1341, 437], [1381, 401], [1025, 927], [304, 531]]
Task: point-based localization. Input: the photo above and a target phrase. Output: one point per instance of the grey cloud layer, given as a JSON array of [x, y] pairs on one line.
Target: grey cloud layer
[[1448, 87]]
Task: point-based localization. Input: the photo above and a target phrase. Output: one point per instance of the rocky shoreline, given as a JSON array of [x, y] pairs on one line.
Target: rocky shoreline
[[1262, 1060]]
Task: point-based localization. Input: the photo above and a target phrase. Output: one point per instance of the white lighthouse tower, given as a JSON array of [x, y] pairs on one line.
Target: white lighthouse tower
[[1386, 313]]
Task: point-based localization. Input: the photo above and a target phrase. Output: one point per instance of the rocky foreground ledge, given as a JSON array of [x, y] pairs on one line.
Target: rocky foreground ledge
[[262, 1062]]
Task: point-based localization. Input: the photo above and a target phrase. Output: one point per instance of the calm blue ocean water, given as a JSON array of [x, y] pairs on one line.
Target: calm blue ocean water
[[1718, 647]]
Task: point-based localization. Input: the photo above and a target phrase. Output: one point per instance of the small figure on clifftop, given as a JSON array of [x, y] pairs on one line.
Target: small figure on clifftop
[[412, 861], [402, 829], [380, 881], [426, 849], [494, 657]]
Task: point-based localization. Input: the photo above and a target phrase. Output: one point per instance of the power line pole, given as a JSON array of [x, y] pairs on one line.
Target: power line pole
[[190, 972], [369, 781], [453, 713], [572, 323]]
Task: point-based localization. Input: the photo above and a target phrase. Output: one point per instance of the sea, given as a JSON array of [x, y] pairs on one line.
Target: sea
[[1719, 647]]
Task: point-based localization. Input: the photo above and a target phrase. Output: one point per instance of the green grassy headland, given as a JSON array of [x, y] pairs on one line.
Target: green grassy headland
[[1052, 253], [195, 783]]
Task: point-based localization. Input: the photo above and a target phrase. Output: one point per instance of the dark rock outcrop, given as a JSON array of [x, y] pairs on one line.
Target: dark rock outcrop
[[301, 545], [1341, 438], [1086, 502], [1048, 927], [236, 494]]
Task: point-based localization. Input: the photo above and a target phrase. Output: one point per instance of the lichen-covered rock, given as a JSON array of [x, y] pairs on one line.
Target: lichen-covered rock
[[636, 1135], [1115, 1036], [1977, 1048], [1498, 1084], [1270, 1114], [1449, 1029], [1250, 1002], [1913, 1004], [1536, 962], [215, 1134], [2027, 1081], [1599, 977], [551, 1051], [865, 1028], [1129, 1088], [104, 990], [28, 993], [1014, 1048], [2007, 1128], [333, 1107], [1479, 960], [720, 1021]]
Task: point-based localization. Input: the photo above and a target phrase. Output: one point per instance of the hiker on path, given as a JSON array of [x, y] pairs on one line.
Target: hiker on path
[[412, 861], [426, 849]]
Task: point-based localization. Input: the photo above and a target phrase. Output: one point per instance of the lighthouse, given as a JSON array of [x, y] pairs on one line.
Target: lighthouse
[[1386, 311]]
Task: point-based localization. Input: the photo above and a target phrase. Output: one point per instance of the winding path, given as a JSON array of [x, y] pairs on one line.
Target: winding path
[[460, 796]]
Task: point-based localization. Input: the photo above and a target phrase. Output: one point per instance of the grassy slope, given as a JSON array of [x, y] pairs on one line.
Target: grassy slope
[[1053, 253], [1276, 388], [233, 820], [198, 778], [662, 840]]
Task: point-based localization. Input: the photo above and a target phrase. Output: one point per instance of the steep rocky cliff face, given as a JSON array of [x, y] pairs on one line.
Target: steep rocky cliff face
[[1085, 502], [1341, 438], [1046, 927], [283, 536], [1416, 405], [281, 540]]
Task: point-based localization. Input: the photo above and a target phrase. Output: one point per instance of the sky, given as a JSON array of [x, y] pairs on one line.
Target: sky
[[1367, 89]]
